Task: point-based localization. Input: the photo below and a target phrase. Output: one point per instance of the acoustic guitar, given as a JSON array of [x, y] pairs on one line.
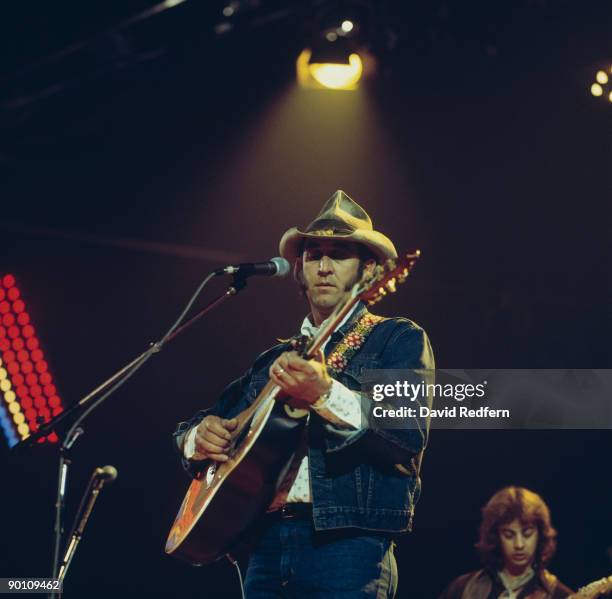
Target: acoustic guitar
[[225, 498]]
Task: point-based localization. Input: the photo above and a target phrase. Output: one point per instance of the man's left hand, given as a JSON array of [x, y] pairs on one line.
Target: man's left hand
[[304, 380]]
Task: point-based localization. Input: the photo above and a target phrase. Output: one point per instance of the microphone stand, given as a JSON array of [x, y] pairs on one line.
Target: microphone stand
[[87, 404], [96, 483]]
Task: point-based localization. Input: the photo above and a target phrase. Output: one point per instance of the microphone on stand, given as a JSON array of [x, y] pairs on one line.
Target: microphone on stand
[[275, 267], [107, 474]]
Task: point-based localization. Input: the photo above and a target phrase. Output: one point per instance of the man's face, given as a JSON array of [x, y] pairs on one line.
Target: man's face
[[330, 269], [518, 543]]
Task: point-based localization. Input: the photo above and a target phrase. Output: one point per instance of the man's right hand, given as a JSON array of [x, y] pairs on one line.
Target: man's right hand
[[213, 438]]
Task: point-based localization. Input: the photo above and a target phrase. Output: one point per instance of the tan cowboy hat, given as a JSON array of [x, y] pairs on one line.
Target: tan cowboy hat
[[340, 218]]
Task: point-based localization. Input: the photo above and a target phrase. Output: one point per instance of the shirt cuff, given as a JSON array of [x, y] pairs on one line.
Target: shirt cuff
[[341, 407], [189, 447]]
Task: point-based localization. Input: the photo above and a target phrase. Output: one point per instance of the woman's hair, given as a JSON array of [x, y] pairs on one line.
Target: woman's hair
[[507, 505]]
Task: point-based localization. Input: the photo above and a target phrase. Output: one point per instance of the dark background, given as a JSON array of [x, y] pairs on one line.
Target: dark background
[[137, 155]]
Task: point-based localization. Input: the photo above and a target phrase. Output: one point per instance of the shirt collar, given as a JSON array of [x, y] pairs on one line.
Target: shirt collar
[[310, 329]]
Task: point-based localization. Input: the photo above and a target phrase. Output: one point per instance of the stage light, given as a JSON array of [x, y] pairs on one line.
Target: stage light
[[24, 376], [338, 76], [601, 77], [329, 72], [596, 89], [347, 26]]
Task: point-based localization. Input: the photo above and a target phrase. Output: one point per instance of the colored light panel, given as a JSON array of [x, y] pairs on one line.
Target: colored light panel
[[28, 396]]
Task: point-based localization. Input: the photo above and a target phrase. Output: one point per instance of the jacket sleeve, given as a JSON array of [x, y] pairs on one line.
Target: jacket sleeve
[[225, 405], [407, 348]]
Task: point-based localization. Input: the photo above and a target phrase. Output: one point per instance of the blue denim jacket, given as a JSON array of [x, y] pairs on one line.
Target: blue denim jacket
[[355, 481]]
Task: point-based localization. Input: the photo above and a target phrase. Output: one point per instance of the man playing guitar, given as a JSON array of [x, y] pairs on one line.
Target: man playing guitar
[[351, 487]]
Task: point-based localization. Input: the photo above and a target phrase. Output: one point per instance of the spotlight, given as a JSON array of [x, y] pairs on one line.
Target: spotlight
[[333, 65], [601, 86], [347, 26]]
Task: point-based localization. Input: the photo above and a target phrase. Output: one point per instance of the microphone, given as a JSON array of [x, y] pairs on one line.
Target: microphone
[[275, 267], [107, 474]]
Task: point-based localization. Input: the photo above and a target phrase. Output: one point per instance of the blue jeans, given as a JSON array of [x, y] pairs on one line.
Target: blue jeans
[[292, 561]]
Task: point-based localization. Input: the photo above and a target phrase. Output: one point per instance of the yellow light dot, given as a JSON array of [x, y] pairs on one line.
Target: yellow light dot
[[14, 408], [347, 26], [3, 374], [596, 89], [9, 396], [601, 77], [19, 418], [23, 429], [5, 384]]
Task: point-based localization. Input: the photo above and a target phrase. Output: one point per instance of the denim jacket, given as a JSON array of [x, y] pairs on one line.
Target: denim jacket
[[354, 475]]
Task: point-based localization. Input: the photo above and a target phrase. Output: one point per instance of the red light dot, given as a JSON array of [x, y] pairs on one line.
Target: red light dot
[[2, 332], [18, 344], [37, 355], [45, 413], [18, 307], [40, 402], [2, 294], [30, 413], [9, 356], [8, 320], [8, 281], [50, 390], [33, 425], [22, 391], [42, 366], [53, 438], [36, 390], [4, 344], [45, 378], [23, 318], [28, 331], [13, 368], [41, 439], [23, 355], [13, 332], [4, 307], [31, 379], [32, 343], [57, 411], [13, 294], [54, 401], [17, 380], [26, 403], [26, 367]]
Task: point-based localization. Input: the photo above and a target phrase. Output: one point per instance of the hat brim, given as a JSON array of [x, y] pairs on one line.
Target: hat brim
[[380, 245]]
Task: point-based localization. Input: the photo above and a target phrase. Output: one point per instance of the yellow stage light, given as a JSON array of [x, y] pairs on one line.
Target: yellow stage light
[[9, 396], [14, 407], [3, 374], [5, 385], [601, 77], [23, 429], [19, 418], [596, 89], [610, 96], [338, 76]]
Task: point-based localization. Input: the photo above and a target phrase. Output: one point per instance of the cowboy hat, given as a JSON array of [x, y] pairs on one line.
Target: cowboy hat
[[340, 218]]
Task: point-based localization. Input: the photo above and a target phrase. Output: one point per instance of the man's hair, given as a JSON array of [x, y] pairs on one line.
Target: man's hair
[[515, 503], [365, 255]]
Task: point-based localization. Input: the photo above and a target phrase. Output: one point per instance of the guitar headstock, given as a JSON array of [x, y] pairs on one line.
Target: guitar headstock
[[386, 278]]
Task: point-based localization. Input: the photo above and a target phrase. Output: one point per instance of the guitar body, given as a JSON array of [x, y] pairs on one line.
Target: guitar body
[[227, 497]]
